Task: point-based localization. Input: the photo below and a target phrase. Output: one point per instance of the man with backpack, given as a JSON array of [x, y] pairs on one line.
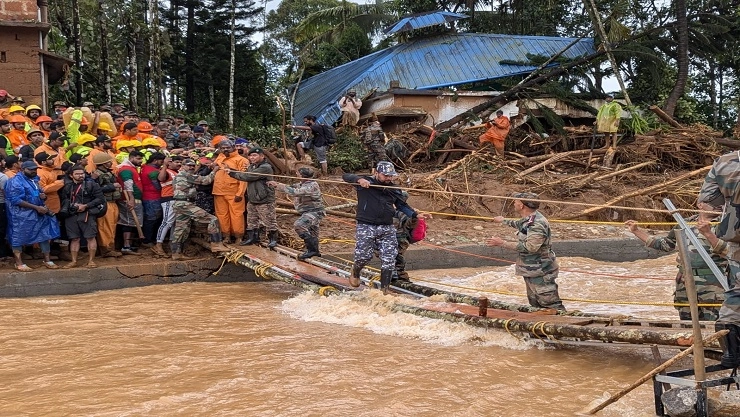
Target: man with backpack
[[323, 136]]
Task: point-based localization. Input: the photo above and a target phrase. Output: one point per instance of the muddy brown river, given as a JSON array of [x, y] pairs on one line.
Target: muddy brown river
[[264, 349]]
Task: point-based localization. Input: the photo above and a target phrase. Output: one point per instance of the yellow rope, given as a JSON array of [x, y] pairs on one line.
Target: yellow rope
[[371, 282], [328, 290], [232, 256]]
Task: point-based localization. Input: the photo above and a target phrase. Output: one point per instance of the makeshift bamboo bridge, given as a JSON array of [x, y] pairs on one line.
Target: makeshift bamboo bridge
[[328, 276]]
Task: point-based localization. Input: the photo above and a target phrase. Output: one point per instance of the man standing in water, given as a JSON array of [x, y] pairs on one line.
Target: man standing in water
[[375, 229], [722, 188], [536, 261]]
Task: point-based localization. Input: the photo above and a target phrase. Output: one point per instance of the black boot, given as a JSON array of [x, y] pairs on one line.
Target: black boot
[[385, 280], [273, 235], [312, 247], [250, 239], [730, 345]]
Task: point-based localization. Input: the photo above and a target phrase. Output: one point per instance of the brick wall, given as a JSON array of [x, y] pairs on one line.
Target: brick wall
[[19, 70], [19, 10]]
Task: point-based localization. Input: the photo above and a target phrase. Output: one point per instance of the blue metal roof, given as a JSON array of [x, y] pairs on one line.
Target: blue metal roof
[[429, 63], [422, 20]]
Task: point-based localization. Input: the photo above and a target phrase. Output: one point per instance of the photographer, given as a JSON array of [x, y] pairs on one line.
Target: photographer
[[83, 201], [350, 106]]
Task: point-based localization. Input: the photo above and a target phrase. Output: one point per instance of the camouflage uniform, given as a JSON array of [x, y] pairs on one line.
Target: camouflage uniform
[[374, 141], [184, 192], [404, 224], [722, 188], [708, 288], [260, 197], [372, 238], [536, 261], [307, 200]]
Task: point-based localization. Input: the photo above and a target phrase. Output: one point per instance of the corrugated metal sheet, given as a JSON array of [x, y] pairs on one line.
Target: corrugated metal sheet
[[422, 20], [427, 64]]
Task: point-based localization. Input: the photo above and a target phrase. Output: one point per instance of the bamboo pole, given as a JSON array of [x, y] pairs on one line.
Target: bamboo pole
[[557, 157], [654, 372], [639, 192], [581, 152], [622, 171], [683, 250]]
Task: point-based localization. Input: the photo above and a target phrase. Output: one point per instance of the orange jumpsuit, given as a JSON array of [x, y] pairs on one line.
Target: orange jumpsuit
[[230, 214], [499, 129], [50, 185], [17, 139]]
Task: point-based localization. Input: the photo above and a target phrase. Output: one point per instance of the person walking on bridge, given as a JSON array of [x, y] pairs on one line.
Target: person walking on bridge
[[308, 202], [536, 261]]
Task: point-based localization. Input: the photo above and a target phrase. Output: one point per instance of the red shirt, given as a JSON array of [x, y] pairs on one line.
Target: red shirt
[[149, 175]]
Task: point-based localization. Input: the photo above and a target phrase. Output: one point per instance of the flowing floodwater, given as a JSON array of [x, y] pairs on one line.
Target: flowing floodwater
[[263, 349]]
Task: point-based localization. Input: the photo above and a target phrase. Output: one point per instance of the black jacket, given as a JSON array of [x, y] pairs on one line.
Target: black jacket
[[375, 205], [89, 194]]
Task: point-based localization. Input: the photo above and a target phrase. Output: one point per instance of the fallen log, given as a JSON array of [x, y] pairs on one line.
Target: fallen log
[[638, 192], [665, 117], [730, 143], [581, 152], [553, 159]]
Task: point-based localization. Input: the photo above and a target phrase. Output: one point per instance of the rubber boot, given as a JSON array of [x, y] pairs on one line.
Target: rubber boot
[[730, 345], [354, 277], [273, 235], [249, 240], [312, 247], [385, 280], [217, 245]]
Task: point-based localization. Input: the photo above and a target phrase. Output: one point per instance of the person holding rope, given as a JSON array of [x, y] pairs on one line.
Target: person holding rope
[[536, 262], [308, 202], [376, 207], [722, 188], [708, 288]]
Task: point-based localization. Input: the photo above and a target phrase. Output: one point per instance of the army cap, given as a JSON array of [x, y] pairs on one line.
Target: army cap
[[188, 161], [525, 199]]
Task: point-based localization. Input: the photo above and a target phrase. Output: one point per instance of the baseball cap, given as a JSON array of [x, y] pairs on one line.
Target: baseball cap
[[386, 168], [199, 129], [202, 123], [29, 165], [188, 161], [43, 156]]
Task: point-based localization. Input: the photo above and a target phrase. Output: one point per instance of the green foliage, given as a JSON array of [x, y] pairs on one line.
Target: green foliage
[[348, 153], [352, 44]]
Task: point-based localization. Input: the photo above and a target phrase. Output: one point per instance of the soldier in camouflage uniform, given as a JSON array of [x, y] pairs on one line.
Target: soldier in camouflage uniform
[[374, 140], [536, 261], [708, 288], [260, 198], [722, 188], [184, 192], [308, 202]]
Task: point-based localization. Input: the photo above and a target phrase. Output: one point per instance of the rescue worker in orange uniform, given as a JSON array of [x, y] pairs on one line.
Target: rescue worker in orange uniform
[[497, 132], [103, 145], [228, 192], [55, 146], [50, 180], [44, 125], [17, 136]]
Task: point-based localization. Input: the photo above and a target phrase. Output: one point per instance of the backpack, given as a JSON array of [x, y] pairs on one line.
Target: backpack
[[419, 232], [330, 134]]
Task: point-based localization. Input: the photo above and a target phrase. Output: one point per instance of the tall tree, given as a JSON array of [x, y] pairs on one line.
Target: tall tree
[[682, 56]]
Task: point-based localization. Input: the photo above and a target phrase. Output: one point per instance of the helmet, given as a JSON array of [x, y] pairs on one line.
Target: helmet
[[85, 139], [100, 158], [17, 119], [145, 127], [60, 104], [32, 107], [33, 130], [14, 109], [150, 142], [43, 118], [123, 143], [101, 126], [84, 121]]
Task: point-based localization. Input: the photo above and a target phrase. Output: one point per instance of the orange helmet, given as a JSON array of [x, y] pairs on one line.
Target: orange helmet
[[145, 127], [217, 139], [43, 118], [84, 122], [17, 119]]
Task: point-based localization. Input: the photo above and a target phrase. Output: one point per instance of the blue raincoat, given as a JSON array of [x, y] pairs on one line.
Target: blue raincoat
[[26, 226]]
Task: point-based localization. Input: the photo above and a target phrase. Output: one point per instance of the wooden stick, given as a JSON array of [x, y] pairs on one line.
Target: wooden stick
[[450, 167], [664, 117], [622, 171], [683, 250], [642, 191], [555, 158], [654, 372], [133, 214], [527, 160], [332, 212]]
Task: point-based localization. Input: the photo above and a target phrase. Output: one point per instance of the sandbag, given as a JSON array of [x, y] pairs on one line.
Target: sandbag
[[86, 113]]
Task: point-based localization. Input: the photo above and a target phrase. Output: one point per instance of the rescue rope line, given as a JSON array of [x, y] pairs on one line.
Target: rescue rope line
[[573, 203]]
